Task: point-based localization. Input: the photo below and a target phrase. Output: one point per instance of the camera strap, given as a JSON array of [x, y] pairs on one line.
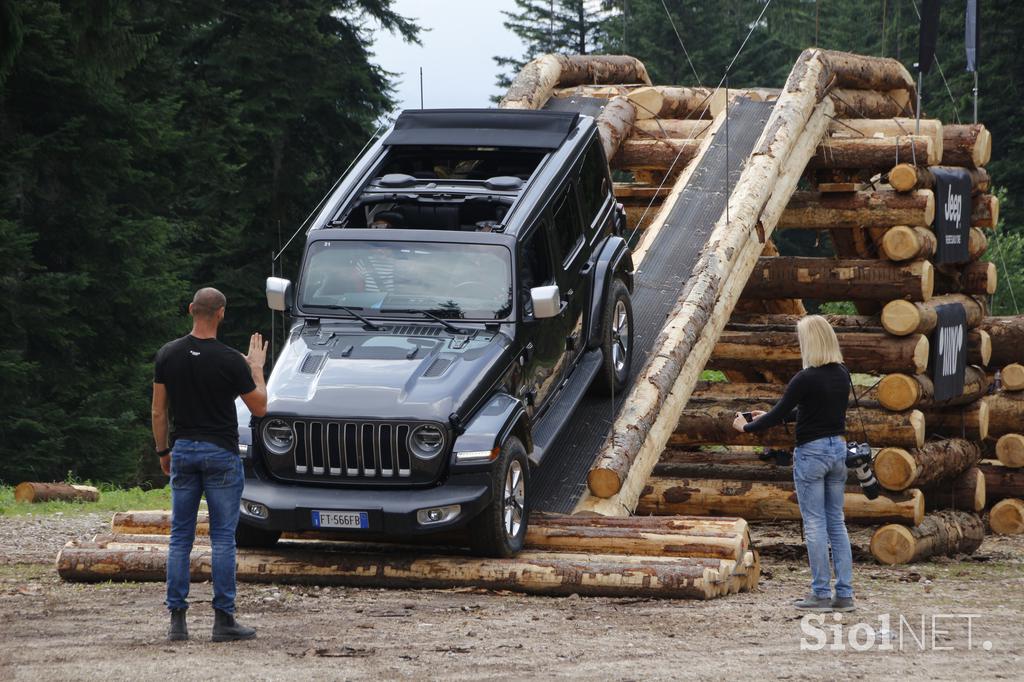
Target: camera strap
[[856, 402]]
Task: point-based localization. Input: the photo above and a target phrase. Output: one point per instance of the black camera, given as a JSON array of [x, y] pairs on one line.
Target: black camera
[[858, 458]]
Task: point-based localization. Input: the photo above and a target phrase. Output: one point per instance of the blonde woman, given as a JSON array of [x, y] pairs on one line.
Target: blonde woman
[[818, 394]]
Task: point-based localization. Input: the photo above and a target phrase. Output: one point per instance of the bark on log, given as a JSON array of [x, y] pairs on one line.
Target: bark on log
[[1002, 482], [882, 208], [905, 391], [944, 533], [536, 81], [530, 572], [1013, 376], [756, 501], [874, 128], [976, 278], [668, 102], [966, 492], [647, 153], [967, 421], [1010, 449], [861, 72], [906, 176], [907, 243], [1007, 334], [977, 243], [763, 473], [979, 348], [898, 469], [614, 124], [871, 104], [705, 422], [1005, 413], [904, 317], [985, 211], [743, 457], [1007, 517], [671, 128], [839, 280], [967, 145], [31, 491], [875, 153], [787, 321], [779, 352]]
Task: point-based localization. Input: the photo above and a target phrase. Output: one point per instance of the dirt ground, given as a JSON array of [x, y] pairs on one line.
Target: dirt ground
[[61, 631]]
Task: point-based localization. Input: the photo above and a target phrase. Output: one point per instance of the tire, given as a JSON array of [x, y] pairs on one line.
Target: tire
[[500, 529], [616, 341], [251, 536]]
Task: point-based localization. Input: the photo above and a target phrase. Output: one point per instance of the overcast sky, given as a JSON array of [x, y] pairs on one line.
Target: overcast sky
[[456, 52]]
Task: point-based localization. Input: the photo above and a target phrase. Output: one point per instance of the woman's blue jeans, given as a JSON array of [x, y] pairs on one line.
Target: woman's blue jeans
[[197, 468], [819, 471]]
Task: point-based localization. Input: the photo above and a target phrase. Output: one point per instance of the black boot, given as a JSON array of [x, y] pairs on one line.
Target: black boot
[[226, 629], [178, 632]]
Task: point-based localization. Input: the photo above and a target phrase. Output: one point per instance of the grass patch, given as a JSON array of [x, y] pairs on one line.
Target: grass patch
[[111, 500], [712, 375]]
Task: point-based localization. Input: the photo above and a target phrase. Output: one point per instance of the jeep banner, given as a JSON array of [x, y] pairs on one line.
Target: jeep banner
[[952, 214], [949, 351]]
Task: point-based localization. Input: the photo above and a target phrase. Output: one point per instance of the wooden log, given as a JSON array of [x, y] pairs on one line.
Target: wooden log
[[746, 320], [779, 351], [667, 102], [906, 176], [906, 317], [709, 422], [1013, 376], [905, 391], [966, 421], [875, 153], [985, 211], [759, 501], [649, 153], [944, 533], [32, 491], [1010, 449], [1002, 482], [840, 280], [966, 492], [743, 457], [861, 104], [977, 243], [546, 573], [875, 128], [1005, 413], [1007, 334], [979, 347], [761, 472], [883, 208], [614, 124], [1007, 517], [672, 128], [976, 278], [861, 72], [907, 243], [898, 469], [534, 84], [966, 145]]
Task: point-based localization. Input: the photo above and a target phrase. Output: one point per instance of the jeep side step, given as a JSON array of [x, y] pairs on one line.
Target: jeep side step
[[547, 428]]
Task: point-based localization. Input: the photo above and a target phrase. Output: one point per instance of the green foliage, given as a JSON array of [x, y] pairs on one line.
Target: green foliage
[[837, 308], [712, 375], [111, 500]]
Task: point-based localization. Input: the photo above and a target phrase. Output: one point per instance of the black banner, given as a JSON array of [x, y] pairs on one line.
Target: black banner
[[971, 35], [929, 35], [949, 351], [952, 214]]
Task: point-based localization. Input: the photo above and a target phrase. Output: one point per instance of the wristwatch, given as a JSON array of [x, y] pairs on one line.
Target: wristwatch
[[161, 453]]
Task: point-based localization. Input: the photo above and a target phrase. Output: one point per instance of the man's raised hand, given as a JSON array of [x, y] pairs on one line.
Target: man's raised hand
[[257, 354]]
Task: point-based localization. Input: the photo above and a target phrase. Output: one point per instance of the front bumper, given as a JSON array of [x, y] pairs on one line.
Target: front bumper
[[390, 513]]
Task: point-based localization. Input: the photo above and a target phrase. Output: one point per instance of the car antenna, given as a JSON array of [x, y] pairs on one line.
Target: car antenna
[[421, 87]]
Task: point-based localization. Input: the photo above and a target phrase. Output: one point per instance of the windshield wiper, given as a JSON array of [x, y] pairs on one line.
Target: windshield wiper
[[416, 311], [373, 326]]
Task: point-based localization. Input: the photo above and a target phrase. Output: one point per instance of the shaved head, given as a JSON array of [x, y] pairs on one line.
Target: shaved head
[[207, 303]]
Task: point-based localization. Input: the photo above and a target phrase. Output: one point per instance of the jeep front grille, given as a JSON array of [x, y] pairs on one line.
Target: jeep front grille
[[352, 449]]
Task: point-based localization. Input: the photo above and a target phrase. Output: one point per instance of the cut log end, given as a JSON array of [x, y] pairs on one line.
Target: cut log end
[[893, 544], [895, 468], [903, 177], [901, 318], [1013, 377], [917, 422], [898, 392], [603, 482], [1007, 517], [31, 491], [1010, 449]]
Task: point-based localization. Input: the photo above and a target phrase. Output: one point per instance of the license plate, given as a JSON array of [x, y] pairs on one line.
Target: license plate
[[340, 519]]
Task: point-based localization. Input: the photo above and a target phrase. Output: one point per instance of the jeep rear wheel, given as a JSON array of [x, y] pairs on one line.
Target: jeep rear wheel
[[251, 536], [499, 530], [616, 341]]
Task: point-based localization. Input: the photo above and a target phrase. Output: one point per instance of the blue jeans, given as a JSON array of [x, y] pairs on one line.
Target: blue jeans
[[819, 471], [196, 468]]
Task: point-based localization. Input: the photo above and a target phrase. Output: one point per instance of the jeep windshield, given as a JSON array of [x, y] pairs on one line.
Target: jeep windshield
[[453, 281]]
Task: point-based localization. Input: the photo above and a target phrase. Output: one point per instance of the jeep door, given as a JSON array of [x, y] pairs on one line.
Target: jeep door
[[571, 258], [543, 340]]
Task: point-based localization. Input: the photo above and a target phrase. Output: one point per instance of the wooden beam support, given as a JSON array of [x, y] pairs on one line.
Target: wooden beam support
[[534, 84], [965, 421], [840, 280], [648, 153], [978, 278], [882, 208], [861, 104], [905, 177], [967, 145], [875, 153]]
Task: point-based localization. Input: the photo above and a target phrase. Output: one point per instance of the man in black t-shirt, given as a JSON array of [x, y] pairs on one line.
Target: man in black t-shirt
[[196, 380]]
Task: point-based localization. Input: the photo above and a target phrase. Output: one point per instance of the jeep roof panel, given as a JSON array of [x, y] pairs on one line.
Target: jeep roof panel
[[524, 129]]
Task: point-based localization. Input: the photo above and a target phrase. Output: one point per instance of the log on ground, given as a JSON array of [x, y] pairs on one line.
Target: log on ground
[[966, 492], [1007, 517], [905, 391], [809, 210], [967, 145], [906, 317], [898, 469], [839, 279], [944, 533], [32, 491]]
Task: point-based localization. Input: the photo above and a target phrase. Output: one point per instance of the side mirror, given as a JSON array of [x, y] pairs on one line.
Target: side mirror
[[547, 301], [279, 293]]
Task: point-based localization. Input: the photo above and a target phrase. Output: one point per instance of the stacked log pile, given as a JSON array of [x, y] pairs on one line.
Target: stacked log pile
[[673, 557], [942, 462]]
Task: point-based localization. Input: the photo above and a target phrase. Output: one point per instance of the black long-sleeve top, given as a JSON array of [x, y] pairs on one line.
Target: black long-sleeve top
[[820, 396]]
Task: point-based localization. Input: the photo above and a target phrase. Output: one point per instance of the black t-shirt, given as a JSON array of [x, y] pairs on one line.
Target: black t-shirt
[[820, 396], [203, 377]]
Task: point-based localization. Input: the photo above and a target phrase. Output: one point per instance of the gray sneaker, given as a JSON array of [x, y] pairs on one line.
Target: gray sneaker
[[812, 603], [843, 604]]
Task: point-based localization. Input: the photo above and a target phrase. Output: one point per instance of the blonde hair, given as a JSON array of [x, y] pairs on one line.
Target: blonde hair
[[818, 343]]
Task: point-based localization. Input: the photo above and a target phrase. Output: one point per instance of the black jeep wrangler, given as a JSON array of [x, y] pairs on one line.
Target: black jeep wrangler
[[460, 290]]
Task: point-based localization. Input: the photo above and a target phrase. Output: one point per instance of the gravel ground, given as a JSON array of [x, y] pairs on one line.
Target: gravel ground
[[56, 630]]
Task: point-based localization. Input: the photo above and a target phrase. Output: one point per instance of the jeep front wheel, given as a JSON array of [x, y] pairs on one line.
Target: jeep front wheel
[[499, 531], [616, 340]]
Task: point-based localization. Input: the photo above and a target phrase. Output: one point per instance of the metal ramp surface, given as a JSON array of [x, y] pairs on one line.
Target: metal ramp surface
[[660, 279]]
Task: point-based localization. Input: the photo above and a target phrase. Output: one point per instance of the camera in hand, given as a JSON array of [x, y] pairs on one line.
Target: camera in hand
[[858, 458], [749, 416]]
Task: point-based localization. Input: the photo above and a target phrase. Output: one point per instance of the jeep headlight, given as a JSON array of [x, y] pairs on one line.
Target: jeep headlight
[[426, 441], [278, 436]]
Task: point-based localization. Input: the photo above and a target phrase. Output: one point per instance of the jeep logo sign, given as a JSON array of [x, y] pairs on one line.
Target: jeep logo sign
[[952, 215], [949, 351]]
